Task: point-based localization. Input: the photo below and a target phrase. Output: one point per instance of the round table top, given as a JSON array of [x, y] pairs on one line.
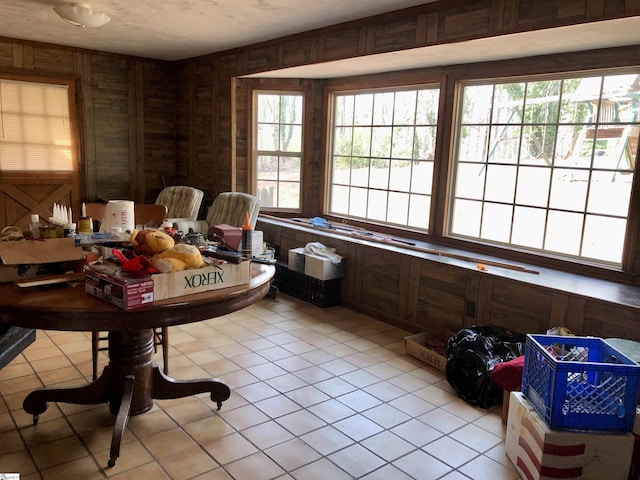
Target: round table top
[[68, 307]]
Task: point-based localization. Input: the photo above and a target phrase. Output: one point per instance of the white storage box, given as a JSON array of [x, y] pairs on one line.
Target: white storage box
[[314, 265]]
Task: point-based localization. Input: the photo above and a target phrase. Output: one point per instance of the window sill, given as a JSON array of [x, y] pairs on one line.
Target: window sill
[[556, 280]]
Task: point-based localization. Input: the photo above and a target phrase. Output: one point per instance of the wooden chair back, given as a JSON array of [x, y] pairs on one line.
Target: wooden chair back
[[151, 215]]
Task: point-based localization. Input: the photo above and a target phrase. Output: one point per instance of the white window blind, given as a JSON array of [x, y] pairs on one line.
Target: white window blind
[[35, 132]]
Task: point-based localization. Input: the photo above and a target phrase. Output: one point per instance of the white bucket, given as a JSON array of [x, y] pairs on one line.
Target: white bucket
[[119, 216]]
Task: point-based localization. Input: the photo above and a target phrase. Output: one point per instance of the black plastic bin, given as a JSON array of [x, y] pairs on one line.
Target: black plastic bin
[[323, 293]]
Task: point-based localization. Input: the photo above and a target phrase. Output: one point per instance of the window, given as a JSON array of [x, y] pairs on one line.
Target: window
[[546, 164], [382, 155], [278, 149], [35, 131]]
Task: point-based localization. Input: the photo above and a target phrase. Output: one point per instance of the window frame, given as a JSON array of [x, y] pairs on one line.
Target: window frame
[[285, 90], [433, 84], [448, 76], [75, 123], [630, 230]]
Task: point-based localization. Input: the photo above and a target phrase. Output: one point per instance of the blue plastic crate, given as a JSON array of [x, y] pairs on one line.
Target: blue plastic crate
[[580, 383]]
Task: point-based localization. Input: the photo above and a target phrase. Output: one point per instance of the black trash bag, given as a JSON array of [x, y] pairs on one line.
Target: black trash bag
[[471, 355]]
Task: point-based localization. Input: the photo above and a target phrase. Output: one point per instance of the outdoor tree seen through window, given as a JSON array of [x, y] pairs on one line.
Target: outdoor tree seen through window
[[547, 164]]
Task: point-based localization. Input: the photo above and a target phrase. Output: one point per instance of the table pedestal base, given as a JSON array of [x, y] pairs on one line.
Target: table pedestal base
[[129, 384]]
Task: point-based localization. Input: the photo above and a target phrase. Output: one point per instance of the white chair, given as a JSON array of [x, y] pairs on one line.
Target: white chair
[[228, 208], [183, 204]]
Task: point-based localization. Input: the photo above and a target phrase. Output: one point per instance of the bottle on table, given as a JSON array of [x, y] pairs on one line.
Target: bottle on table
[[247, 248], [34, 226]]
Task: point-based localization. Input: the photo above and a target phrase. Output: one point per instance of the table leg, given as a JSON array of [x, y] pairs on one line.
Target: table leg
[[121, 420], [38, 401], [166, 387], [129, 384]]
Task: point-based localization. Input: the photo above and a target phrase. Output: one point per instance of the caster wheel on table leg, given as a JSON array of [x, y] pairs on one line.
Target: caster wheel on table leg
[[111, 463], [36, 418]]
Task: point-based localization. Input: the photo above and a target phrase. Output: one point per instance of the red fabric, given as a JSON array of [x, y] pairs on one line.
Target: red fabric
[[508, 375]]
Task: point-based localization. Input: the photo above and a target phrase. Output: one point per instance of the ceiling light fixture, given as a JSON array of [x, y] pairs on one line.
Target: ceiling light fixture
[[80, 16]]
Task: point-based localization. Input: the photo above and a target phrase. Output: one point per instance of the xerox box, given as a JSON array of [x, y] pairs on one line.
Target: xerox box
[[213, 277], [107, 280], [541, 453]]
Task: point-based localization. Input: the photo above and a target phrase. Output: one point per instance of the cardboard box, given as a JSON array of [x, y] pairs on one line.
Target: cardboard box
[[108, 282], [540, 453], [314, 265], [187, 282], [22, 259], [127, 291], [40, 251], [418, 346]]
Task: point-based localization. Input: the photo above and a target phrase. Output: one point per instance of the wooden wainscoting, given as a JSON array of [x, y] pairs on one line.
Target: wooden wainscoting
[[24, 193]]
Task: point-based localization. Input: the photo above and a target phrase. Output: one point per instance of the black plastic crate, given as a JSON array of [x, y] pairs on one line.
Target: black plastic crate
[[323, 293]]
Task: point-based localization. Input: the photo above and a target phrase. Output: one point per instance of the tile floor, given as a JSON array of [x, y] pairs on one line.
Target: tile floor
[[316, 394]]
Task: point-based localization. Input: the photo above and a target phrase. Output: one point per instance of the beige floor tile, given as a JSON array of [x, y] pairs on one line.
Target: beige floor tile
[[132, 456], [188, 410], [327, 440], [388, 445], [477, 438], [449, 451], [292, 454], [316, 393], [255, 467], [230, 448], [58, 452], [150, 423], [208, 429], [358, 427], [16, 370], [257, 391], [286, 383], [357, 460], [33, 354], [147, 471], [80, 469], [18, 462], [331, 411], [169, 443], [279, 406], [244, 417], [46, 431], [484, 468], [419, 464], [98, 440], [386, 416], [307, 396], [187, 464], [300, 422], [388, 472], [6, 422], [10, 442]]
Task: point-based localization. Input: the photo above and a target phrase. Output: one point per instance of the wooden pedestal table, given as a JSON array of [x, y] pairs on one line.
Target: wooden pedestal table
[[131, 380]]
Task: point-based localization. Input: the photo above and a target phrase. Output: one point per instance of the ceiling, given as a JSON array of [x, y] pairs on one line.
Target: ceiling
[[178, 29]]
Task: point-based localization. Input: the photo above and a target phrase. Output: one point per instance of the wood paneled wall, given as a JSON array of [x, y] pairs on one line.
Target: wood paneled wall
[[418, 292], [127, 111], [214, 136], [143, 119]]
